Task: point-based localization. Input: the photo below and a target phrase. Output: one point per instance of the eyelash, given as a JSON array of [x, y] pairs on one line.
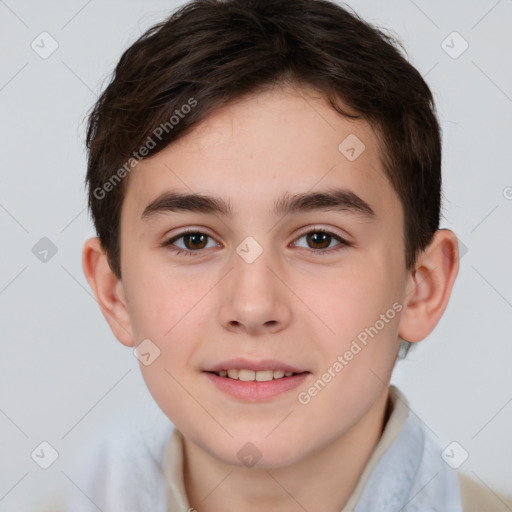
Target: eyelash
[[182, 252]]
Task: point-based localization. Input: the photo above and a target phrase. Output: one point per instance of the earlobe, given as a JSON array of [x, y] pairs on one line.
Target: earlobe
[[108, 290], [430, 286]]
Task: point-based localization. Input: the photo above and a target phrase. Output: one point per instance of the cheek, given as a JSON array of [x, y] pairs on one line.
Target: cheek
[[363, 310], [353, 301], [171, 312], [161, 302]]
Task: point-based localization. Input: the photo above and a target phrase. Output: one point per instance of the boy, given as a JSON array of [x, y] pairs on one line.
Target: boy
[[264, 178]]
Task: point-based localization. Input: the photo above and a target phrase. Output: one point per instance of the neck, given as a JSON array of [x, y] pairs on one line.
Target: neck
[[322, 481]]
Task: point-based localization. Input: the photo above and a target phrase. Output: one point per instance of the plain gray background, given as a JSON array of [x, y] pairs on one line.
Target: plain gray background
[[63, 375]]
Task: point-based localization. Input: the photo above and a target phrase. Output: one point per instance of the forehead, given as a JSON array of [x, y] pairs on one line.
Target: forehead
[[256, 150]]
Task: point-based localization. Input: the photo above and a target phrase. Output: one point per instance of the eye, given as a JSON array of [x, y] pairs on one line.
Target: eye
[[320, 240], [193, 241]]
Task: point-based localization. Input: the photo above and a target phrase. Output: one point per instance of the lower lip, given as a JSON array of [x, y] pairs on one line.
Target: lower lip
[[254, 391]]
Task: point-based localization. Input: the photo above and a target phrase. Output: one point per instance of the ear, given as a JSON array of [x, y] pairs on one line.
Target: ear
[[108, 290], [429, 286]]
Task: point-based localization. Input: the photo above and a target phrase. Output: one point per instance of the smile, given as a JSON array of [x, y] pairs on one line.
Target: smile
[[256, 385], [253, 375]]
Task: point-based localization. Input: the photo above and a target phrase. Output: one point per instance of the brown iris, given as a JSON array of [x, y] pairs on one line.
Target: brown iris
[[198, 240], [318, 237]]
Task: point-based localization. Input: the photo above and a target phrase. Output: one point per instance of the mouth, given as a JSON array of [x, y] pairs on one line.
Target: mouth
[[246, 375], [255, 381]]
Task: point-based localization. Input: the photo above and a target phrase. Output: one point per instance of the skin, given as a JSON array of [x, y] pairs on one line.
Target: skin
[[290, 304]]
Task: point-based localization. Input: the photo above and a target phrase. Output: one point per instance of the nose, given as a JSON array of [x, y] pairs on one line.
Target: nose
[[253, 298]]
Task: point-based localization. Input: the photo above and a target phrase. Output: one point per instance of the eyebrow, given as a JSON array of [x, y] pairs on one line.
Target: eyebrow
[[332, 199]]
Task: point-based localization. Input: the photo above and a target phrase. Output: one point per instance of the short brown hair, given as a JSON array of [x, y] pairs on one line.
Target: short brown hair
[[209, 52]]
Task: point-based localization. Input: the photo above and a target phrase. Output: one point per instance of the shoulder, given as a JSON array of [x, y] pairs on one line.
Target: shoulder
[[477, 497], [123, 469]]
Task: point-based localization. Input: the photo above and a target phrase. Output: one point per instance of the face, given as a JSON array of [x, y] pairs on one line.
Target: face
[[263, 281]]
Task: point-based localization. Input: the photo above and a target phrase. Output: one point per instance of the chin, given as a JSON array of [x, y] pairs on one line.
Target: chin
[[259, 453]]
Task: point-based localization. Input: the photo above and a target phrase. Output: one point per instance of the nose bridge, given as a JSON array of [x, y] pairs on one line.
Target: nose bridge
[[251, 269], [255, 299]]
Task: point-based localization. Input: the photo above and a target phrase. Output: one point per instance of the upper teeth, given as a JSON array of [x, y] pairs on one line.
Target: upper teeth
[[249, 375]]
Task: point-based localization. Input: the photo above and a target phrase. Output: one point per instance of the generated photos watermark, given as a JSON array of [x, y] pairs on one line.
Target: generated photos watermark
[[357, 345], [143, 151]]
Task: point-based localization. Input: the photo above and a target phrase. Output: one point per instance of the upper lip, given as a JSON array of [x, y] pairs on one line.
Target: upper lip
[[247, 364]]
